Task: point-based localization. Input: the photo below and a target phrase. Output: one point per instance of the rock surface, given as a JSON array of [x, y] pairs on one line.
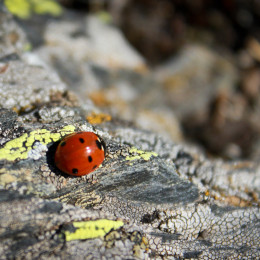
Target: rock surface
[[154, 197]]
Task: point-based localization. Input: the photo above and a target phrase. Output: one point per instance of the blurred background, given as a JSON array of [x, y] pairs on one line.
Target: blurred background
[[189, 70]]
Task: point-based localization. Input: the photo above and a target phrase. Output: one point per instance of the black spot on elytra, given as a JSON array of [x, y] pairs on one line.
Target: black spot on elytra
[[81, 140], [63, 144], [74, 170], [95, 166], [90, 159], [99, 145]]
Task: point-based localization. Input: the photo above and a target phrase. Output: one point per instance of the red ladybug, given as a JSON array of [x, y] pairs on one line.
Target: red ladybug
[[80, 153]]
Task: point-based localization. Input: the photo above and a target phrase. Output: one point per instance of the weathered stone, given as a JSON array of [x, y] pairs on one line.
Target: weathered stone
[[151, 198]]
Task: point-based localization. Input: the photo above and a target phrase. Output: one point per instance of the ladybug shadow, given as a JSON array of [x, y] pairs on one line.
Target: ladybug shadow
[[50, 160]]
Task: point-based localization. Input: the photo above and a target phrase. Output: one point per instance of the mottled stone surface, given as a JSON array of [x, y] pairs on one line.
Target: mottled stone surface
[[174, 202], [13, 39]]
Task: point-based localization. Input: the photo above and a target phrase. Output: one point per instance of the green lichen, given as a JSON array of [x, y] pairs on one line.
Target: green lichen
[[46, 7], [92, 229], [18, 149], [24, 8], [139, 154], [20, 8], [104, 17], [27, 47]]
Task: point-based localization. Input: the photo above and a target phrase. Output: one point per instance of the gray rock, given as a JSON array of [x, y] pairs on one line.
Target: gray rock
[[160, 199]]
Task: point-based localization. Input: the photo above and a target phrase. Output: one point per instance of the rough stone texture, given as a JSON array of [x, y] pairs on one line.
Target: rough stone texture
[[175, 202], [22, 92], [34, 228], [13, 39]]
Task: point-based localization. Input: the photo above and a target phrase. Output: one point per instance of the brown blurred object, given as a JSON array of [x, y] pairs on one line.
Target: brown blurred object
[[154, 28], [250, 83], [227, 130], [159, 28], [85, 5], [254, 48]]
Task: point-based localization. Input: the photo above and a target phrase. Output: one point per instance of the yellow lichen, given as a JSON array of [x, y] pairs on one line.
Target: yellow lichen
[[104, 16], [139, 154], [18, 148], [46, 7], [24, 8], [92, 229], [20, 8], [27, 47]]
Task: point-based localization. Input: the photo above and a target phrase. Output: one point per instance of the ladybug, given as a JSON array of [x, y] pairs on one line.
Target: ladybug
[[80, 153]]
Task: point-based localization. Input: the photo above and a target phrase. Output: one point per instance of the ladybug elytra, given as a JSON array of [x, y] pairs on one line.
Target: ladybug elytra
[[80, 153]]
